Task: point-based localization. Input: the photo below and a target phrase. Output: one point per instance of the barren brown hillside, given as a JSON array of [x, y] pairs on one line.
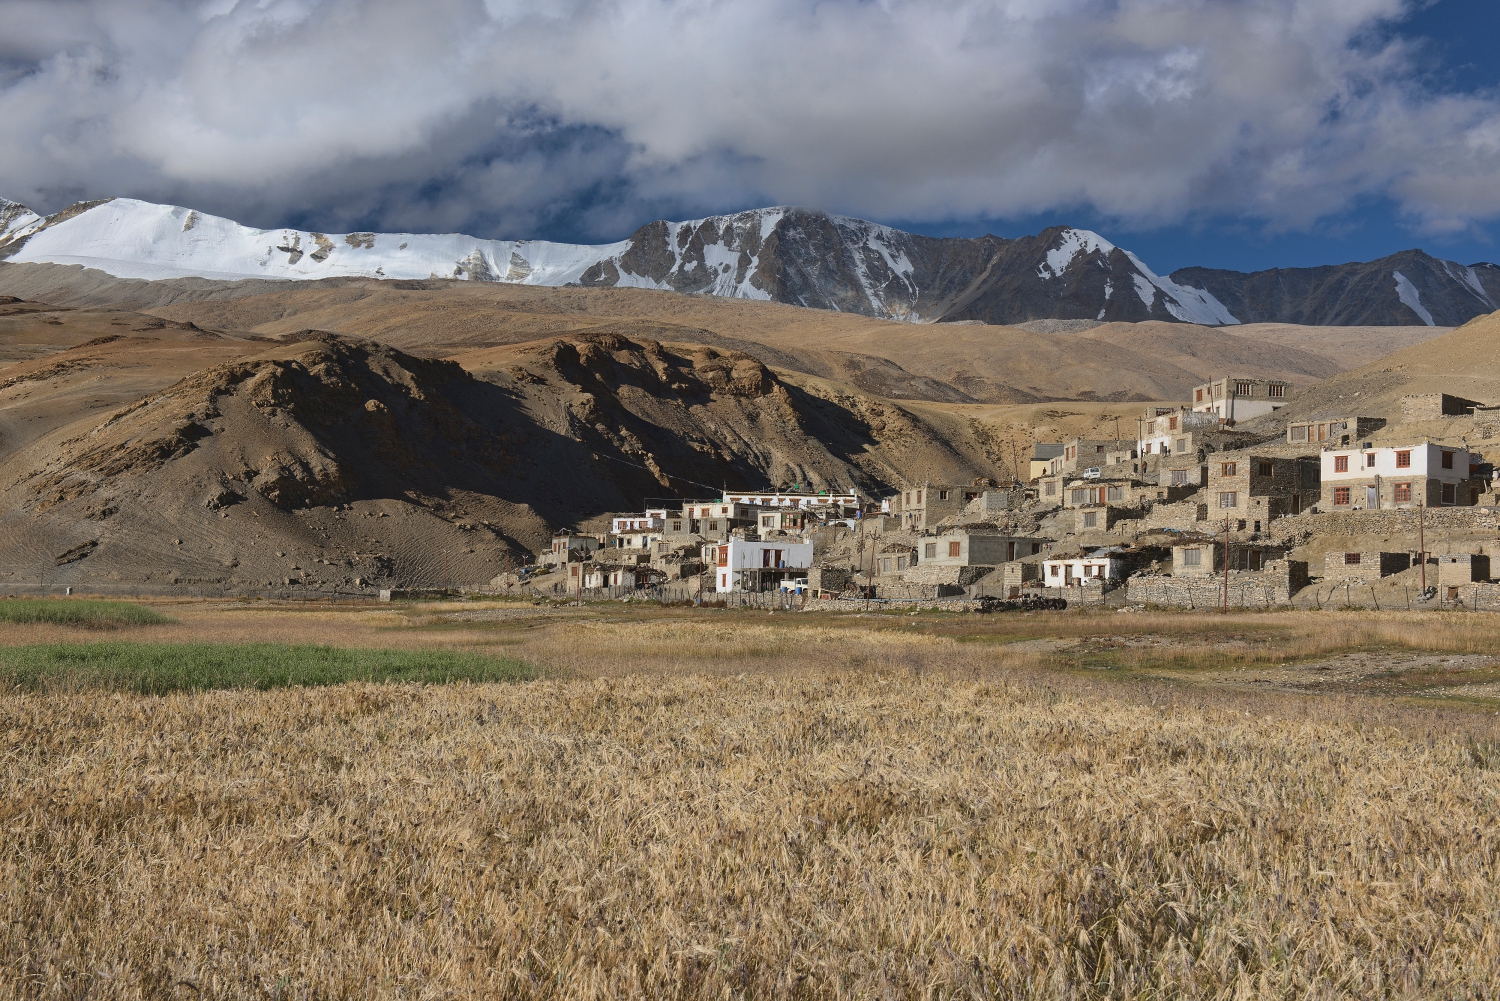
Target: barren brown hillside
[[956, 363]]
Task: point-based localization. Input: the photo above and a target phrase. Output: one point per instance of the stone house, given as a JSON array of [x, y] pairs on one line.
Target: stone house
[[987, 549], [1401, 476], [1204, 557], [1435, 406], [1080, 454], [1239, 397], [1366, 566], [1016, 574], [570, 548], [1041, 458], [895, 558], [1171, 432], [1455, 570], [1098, 565], [1253, 490], [922, 505], [1334, 430], [716, 519]]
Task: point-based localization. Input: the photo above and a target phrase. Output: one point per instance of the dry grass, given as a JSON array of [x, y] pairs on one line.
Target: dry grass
[[855, 808]]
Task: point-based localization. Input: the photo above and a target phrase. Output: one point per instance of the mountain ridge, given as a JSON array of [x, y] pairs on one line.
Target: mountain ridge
[[783, 254]]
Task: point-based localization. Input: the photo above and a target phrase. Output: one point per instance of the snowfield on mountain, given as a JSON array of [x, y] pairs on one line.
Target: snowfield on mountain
[[788, 255]]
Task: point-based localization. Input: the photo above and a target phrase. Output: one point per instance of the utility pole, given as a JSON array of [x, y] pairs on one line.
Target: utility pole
[[1226, 564], [1422, 542]]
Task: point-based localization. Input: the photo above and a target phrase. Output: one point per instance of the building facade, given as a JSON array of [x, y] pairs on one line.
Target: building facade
[[1239, 398], [968, 549], [1400, 476], [745, 565], [1256, 489]]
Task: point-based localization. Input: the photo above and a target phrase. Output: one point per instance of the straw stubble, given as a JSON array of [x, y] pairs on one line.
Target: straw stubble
[[863, 833]]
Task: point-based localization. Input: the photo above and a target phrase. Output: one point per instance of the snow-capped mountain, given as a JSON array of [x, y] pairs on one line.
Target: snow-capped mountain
[[781, 254]]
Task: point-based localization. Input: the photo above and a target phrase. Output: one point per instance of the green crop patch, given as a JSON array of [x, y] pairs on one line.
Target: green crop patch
[[78, 612], [157, 668]]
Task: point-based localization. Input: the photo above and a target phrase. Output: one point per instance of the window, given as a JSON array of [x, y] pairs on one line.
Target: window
[[1341, 496], [1229, 469], [1098, 449], [1351, 559], [1055, 570], [1052, 490], [1091, 519], [953, 548], [1192, 557], [1299, 434], [885, 566], [1447, 460], [1199, 398], [919, 497], [676, 526], [908, 497], [1244, 388], [1276, 390], [1179, 477], [930, 550], [1266, 469], [1401, 493], [723, 556], [1080, 496], [1229, 498], [1369, 460], [1172, 421], [1218, 390], [1115, 494], [942, 495], [1449, 493], [1403, 459], [1182, 444], [1340, 463]]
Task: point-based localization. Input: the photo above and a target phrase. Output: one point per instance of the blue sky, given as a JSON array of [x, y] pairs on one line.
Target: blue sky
[[1239, 134]]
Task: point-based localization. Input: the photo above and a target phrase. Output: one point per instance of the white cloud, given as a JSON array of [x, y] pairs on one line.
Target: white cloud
[[497, 114]]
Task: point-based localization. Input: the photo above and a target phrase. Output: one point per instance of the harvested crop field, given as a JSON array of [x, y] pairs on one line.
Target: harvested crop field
[[791, 806]]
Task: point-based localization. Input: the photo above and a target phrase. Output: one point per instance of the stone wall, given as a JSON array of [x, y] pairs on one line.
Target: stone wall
[[1371, 566], [916, 592], [935, 573], [1268, 588], [1463, 519]]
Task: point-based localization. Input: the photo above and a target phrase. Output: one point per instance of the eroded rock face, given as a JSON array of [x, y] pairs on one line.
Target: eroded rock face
[[290, 482]]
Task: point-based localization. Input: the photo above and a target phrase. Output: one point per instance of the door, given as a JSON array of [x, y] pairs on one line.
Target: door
[[1372, 498]]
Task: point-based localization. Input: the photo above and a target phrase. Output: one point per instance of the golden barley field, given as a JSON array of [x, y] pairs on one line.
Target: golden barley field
[[688, 804]]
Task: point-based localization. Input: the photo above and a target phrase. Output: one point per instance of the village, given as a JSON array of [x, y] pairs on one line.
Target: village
[[1217, 502]]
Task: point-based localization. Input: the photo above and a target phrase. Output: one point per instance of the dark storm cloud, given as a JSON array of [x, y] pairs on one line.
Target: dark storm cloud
[[504, 118]]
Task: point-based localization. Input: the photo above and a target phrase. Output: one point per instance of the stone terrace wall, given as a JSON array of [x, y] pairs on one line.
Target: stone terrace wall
[[1290, 530], [1264, 589], [929, 573]]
